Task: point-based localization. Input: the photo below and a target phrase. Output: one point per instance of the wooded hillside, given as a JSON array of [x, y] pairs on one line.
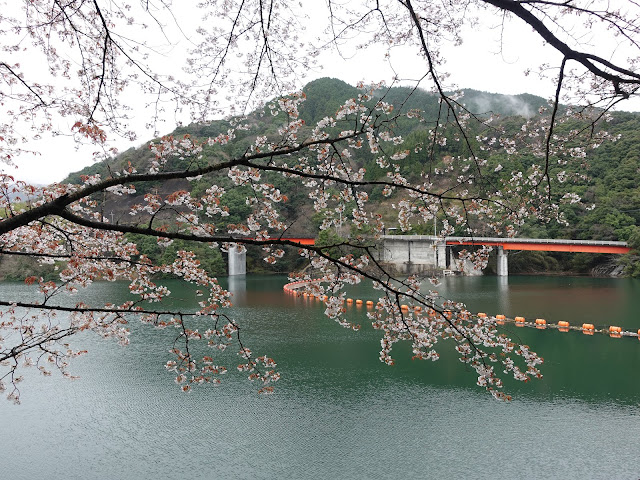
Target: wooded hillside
[[606, 179]]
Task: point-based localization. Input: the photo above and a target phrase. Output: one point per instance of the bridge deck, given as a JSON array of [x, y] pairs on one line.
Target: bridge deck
[[545, 244], [302, 241], [299, 240], [539, 244]]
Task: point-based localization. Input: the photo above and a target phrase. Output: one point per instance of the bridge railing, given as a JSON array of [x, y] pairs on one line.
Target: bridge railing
[[559, 241]]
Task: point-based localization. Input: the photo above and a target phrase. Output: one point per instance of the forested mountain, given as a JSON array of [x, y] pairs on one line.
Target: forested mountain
[[607, 179]]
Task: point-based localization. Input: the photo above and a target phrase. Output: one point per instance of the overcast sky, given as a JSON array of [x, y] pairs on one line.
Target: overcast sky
[[498, 68]]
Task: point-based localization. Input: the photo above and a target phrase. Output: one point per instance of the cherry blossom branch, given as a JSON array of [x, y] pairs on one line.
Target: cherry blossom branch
[[134, 309], [554, 113], [621, 75], [25, 84]]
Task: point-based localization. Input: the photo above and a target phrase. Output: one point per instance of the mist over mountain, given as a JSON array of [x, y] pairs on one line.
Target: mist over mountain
[[523, 105]]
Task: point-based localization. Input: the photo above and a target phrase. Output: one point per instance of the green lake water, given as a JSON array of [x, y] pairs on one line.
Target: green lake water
[[338, 413]]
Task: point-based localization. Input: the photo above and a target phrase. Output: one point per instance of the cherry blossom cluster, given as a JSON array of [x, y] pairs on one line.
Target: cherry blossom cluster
[[86, 247], [96, 57]]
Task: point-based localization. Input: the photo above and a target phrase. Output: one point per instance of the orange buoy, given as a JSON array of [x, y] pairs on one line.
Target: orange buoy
[[349, 301], [482, 315], [588, 328], [404, 308], [417, 308], [359, 302], [615, 332], [541, 323], [370, 303], [500, 319], [519, 321], [563, 326]]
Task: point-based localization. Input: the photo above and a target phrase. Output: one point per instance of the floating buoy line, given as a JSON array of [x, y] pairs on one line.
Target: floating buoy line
[[613, 331]]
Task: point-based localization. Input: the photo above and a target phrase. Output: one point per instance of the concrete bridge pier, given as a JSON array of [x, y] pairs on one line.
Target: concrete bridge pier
[[237, 261], [441, 255], [503, 264]]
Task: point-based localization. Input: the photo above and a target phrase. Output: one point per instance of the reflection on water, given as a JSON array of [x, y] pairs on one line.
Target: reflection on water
[[237, 284], [338, 412], [502, 295]]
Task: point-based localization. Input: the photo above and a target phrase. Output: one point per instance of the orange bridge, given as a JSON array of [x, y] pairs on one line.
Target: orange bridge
[[417, 253], [542, 244], [539, 244]]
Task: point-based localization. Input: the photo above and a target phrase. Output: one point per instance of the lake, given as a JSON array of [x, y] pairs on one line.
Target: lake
[[338, 412]]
